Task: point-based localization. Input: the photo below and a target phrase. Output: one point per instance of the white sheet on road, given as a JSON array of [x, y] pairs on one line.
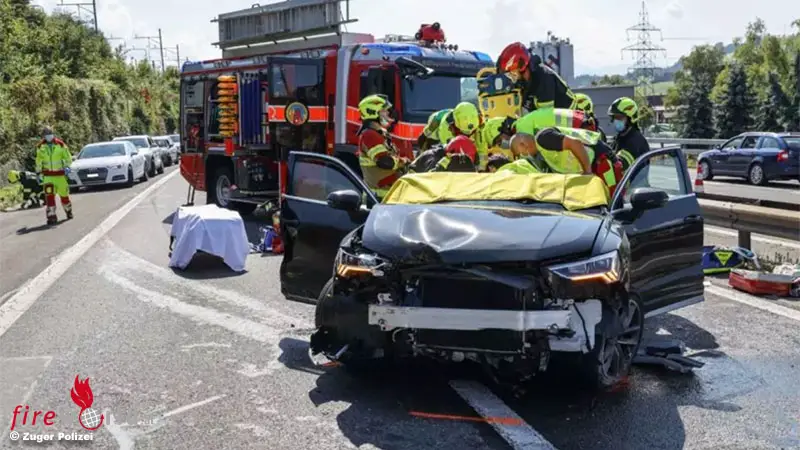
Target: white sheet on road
[[211, 229]]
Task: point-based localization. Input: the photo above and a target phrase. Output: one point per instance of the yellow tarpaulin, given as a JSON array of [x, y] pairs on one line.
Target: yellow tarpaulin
[[574, 192]]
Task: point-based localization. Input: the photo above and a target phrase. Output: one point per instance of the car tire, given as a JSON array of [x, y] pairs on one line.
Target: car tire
[[152, 169], [621, 327], [705, 169], [756, 175], [129, 182], [144, 174], [161, 167]]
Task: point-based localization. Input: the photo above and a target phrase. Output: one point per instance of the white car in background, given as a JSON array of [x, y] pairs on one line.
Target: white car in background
[[153, 159], [173, 150], [104, 163]]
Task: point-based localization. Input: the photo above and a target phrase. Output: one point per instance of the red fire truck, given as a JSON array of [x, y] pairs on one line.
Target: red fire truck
[[291, 79]]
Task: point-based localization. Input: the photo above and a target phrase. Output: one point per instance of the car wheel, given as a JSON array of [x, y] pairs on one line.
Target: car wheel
[[144, 174], [161, 166], [756, 175], [617, 339], [130, 180], [152, 169], [705, 171]]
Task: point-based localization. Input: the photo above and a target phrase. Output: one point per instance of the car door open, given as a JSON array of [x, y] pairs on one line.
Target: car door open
[[324, 201], [665, 231]]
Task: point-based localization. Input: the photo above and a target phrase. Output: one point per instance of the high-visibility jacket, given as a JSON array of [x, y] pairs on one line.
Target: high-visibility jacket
[[546, 89], [550, 144], [521, 166], [539, 119], [52, 158], [378, 160], [431, 130]]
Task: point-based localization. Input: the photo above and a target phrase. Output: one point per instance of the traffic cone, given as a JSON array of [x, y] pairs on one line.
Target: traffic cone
[[277, 242], [698, 181]]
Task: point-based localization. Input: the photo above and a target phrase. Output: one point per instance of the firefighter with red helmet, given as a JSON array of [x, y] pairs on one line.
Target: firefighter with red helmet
[[461, 155], [380, 163], [541, 86]]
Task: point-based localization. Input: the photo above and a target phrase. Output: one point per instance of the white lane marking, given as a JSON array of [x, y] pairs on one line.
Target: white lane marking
[[7, 294], [759, 238], [126, 262], [185, 408], [482, 400], [204, 345], [755, 302], [27, 295]]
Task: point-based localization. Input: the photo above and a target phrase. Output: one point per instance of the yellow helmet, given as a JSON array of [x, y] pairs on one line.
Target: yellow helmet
[[466, 118], [370, 107], [13, 176], [584, 103]]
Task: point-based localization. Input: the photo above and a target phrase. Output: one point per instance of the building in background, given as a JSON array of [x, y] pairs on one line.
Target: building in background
[[602, 97], [558, 54]]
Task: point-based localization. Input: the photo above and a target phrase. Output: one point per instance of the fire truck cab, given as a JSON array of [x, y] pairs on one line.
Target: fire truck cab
[[291, 79]]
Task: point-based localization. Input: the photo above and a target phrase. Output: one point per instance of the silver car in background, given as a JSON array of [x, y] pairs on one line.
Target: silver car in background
[[172, 151], [104, 163], [153, 155]]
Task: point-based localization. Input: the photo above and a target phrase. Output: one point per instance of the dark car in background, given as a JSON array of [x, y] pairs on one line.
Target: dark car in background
[[757, 157], [506, 279]]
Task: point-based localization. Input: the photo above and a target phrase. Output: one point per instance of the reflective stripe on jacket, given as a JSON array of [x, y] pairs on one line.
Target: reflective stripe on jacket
[[52, 158]]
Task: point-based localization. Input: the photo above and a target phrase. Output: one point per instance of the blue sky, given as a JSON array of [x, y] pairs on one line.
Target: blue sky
[[596, 28]]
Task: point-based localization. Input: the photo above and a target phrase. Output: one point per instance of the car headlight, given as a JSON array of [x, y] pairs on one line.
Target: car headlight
[[350, 265], [115, 166], [605, 268]]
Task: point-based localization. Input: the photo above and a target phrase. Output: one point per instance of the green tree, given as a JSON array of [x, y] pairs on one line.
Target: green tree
[[704, 61], [611, 80], [792, 114], [772, 112], [735, 112], [698, 116]]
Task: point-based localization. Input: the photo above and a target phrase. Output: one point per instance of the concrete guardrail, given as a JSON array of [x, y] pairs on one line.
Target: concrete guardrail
[[747, 219]]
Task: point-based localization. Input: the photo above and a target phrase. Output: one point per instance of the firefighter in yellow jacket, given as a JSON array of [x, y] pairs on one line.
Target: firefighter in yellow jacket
[[52, 164], [380, 163]]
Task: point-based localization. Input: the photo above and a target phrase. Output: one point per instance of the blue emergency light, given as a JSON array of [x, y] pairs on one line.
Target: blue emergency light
[[395, 50]]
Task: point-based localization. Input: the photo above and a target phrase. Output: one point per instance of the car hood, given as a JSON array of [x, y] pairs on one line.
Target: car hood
[[461, 234], [104, 161]]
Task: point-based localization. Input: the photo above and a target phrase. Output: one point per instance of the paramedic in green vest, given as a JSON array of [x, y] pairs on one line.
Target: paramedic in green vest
[[584, 103], [571, 151], [380, 163], [52, 164], [629, 143], [430, 134]]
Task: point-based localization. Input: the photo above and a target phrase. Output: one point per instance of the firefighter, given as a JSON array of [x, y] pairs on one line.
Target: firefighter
[[32, 193], [426, 161], [378, 158], [540, 119], [584, 103], [571, 151], [52, 164], [461, 155], [465, 120], [430, 134], [629, 143], [541, 86]]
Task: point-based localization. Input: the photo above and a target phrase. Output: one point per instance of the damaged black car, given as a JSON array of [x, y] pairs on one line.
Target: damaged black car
[[505, 270]]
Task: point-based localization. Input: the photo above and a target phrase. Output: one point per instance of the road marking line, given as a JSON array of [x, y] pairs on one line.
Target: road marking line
[[183, 409], [27, 295], [726, 232], [755, 302], [481, 399]]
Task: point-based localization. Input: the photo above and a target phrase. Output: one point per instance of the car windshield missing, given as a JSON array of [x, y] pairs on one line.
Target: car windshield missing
[[101, 151]]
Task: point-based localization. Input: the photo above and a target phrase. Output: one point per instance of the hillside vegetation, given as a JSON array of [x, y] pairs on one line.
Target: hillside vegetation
[[56, 71]]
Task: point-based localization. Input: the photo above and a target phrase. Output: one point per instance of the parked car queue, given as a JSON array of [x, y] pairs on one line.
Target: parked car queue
[[123, 161]]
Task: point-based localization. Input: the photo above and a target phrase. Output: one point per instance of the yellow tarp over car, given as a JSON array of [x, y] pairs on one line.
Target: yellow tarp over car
[[574, 192]]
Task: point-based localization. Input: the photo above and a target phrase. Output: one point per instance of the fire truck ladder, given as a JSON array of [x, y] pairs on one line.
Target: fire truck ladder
[[292, 23]]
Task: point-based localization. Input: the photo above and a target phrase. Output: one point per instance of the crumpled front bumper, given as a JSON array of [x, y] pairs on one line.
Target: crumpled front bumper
[[577, 318]]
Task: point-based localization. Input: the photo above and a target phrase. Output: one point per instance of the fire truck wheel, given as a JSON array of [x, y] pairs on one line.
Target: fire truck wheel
[[221, 187]]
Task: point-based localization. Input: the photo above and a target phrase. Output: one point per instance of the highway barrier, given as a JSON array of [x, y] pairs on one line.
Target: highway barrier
[[690, 147], [748, 218]]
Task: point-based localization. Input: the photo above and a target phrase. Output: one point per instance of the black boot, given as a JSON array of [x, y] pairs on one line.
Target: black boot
[[69, 215]]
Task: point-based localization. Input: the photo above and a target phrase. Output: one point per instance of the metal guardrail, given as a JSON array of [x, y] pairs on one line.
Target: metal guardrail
[[747, 219], [690, 147]]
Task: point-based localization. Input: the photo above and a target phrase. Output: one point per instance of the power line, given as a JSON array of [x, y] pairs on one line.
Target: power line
[[154, 42], [644, 51], [85, 7]]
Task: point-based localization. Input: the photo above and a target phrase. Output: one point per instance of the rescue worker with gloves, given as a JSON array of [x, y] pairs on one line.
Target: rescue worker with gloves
[[541, 86], [52, 164], [629, 143], [379, 160], [571, 151], [32, 193]]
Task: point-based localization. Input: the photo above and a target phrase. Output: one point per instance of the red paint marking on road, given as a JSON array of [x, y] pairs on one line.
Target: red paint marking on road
[[500, 420]]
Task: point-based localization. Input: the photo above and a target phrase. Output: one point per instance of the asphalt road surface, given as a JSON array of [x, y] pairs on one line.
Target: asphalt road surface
[[780, 191], [203, 359]]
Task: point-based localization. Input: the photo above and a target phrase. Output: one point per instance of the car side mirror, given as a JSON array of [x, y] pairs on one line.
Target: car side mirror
[[643, 199], [345, 200]]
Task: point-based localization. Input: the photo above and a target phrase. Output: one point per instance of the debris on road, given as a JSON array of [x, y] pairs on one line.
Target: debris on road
[[759, 283], [209, 229], [720, 259]]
